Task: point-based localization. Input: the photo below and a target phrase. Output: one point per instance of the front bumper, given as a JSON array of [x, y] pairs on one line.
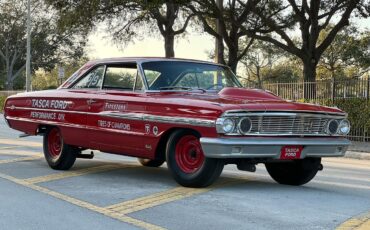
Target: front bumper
[[263, 147]]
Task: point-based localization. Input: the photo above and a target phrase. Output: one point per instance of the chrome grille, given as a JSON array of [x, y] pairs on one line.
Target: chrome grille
[[293, 125], [285, 123]]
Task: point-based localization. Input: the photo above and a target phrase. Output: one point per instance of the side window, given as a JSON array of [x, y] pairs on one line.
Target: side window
[[93, 80], [188, 80], [120, 77]]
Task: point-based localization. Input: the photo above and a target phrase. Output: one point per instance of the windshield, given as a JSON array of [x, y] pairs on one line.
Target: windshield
[[177, 75]]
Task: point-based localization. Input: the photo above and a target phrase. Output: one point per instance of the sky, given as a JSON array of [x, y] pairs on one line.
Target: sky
[[193, 46]]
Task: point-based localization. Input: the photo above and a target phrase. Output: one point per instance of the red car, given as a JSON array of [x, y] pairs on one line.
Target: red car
[[194, 115]]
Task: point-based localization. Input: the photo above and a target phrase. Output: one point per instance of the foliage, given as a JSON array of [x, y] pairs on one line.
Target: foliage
[[2, 101], [358, 110], [350, 50], [49, 45], [127, 19], [310, 18], [42, 79]]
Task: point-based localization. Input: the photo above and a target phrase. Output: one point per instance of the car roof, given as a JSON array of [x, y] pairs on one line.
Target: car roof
[[148, 59]]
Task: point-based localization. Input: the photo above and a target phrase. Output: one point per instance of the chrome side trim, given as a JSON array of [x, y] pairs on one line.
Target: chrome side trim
[[259, 147], [135, 116], [160, 119]]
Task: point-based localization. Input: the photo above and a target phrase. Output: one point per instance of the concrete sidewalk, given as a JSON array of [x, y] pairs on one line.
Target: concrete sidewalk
[[359, 150]]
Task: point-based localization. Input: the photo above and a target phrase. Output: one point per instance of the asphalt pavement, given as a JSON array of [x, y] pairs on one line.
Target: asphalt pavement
[[115, 192]]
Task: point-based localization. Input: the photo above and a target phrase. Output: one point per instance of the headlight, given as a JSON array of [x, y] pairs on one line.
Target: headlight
[[245, 125], [225, 125], [228, 125], [332, 127], [344, 127]]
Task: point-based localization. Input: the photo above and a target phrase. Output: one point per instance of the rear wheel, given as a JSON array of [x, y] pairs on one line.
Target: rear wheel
[[187, 163], [150, 163], [59, 155], [297, 172]]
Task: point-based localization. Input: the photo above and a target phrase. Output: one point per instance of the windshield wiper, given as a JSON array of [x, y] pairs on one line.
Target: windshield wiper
[[181, 88]]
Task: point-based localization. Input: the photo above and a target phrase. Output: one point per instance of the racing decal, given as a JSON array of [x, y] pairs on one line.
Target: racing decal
[[51, 104], [147, 128], [47, 116], [114, 125], [111, 106], [155, 130]]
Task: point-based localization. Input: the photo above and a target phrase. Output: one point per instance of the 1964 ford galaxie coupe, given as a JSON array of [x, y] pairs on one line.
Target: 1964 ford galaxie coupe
[[193, 115]]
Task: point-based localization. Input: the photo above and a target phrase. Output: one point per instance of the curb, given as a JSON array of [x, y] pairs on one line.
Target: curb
[[357, 155]]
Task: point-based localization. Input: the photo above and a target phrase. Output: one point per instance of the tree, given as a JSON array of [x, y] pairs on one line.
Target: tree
[[261, 56], [48, 45], [350, 48], [127, 19], [310, 18], [233, 19]]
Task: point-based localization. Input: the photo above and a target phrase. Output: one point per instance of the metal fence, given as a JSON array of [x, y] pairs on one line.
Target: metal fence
[[9, 93], [319, 90], [327, 92]]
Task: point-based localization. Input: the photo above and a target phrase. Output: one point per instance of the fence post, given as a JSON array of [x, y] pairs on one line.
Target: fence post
[[333, 90]]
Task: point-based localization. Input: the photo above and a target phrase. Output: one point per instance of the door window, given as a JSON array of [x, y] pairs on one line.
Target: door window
[[120, 77]]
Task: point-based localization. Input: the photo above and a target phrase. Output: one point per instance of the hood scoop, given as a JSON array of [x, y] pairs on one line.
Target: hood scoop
[[248, 94]]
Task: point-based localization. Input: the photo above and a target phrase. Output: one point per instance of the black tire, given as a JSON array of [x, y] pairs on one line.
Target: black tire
[[66, 156], [150, 163], [208, 171], [297, 172]]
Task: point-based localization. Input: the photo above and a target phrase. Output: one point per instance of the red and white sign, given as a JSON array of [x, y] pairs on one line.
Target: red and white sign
[[291, 152]]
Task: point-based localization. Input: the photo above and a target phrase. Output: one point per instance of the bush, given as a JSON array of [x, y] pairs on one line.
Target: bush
[[2, 101], [358, 110]]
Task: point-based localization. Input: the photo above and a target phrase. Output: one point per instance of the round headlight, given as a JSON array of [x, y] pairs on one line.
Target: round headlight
[[344, 127], [228, 125], [332, 127], [245, 125]]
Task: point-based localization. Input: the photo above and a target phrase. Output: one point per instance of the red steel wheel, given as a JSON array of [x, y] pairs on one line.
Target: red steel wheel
[[189, 154], [187, 162], [55, 143], [60, 156]]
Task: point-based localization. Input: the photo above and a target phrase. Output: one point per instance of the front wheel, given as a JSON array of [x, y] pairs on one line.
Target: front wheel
[[59, 155], [187, 163], [297, 172]]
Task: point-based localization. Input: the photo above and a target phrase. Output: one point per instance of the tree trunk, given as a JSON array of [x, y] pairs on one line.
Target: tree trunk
[[169, 43], [9, 80], [309, 76], [233, 59]]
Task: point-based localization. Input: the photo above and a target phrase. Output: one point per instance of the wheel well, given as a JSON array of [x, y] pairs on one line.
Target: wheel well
[[41, 130], [160, 152]]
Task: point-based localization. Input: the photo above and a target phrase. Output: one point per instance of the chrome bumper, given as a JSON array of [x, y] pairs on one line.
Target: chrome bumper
[[261, 147]]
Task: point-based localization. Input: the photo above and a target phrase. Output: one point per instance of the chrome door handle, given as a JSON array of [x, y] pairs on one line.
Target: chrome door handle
[[91, 101]]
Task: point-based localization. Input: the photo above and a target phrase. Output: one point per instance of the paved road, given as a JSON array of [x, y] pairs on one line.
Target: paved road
[[113, 192]]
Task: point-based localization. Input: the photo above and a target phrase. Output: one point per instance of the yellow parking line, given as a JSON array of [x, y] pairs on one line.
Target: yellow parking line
[[58, 176], [20, 142], [163, 197], [19, 159], [84, 204], [19, 152], [361, 222], [10, 147]]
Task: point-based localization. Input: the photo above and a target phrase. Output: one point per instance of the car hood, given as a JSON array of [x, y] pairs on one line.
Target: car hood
[[243, 99]]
